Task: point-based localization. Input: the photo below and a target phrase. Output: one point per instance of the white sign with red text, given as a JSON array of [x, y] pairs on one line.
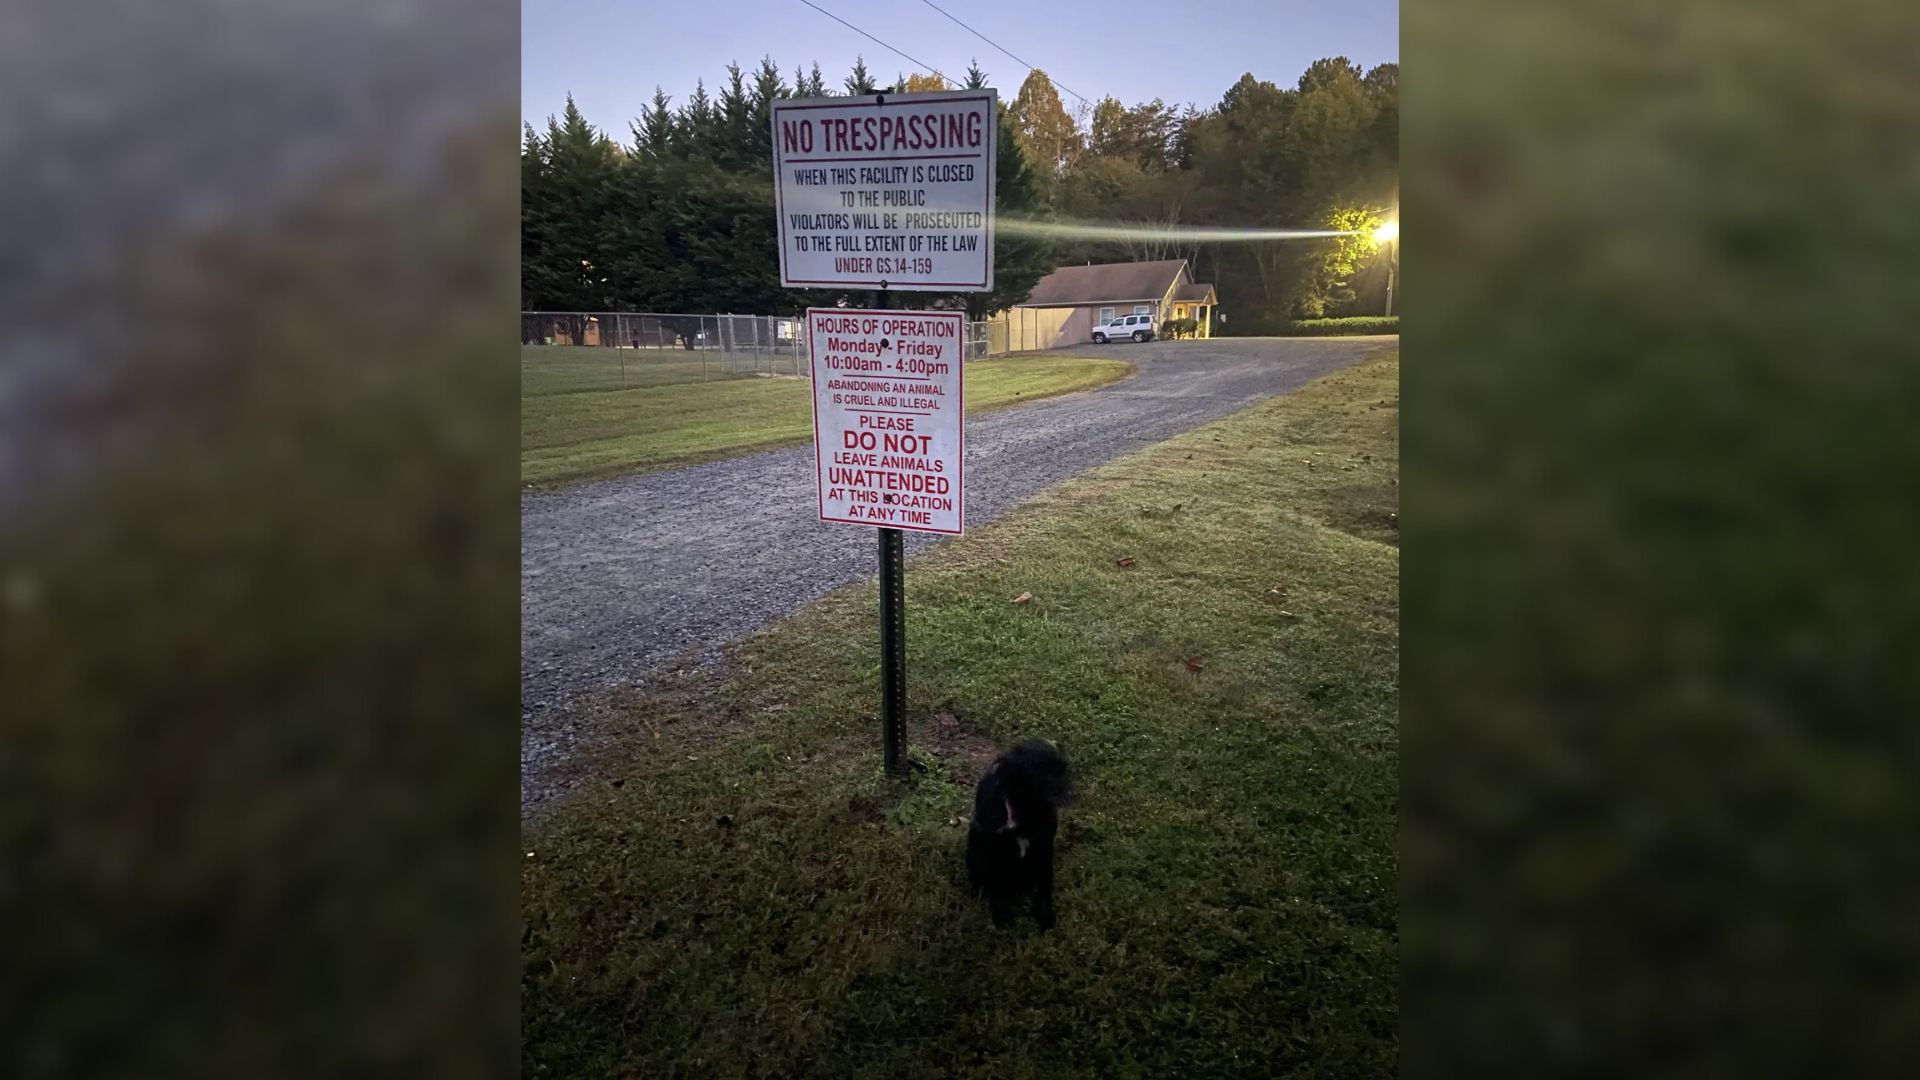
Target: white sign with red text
[[888, 420], [886, 191]]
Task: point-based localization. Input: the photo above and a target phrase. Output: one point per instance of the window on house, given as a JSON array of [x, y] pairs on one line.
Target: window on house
[[1142, 309], [1106, 314]]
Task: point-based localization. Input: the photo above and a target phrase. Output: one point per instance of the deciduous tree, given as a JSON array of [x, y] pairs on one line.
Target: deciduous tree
[[1044, 130]]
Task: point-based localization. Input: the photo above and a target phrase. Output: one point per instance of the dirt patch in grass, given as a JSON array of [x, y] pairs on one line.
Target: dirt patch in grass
[[964, 752]]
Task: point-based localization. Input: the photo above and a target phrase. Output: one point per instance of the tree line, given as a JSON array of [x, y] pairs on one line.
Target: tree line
[[679, 217]]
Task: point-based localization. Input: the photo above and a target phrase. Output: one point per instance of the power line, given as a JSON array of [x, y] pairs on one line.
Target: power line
[[917, 63], [997, 45]]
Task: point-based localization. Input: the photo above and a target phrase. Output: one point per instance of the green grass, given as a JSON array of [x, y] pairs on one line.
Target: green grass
[[568, 369], [567, 437], [735, 891]]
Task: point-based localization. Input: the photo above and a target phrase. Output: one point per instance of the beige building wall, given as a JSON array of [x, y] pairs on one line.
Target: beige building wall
[[1028, 329]]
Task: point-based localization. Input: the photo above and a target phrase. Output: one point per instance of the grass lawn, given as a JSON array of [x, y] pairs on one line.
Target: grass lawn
[[568, 369], [566, 437], [738, 892]]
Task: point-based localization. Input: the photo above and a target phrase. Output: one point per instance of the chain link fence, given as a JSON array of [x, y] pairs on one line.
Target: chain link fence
[[566, 351]]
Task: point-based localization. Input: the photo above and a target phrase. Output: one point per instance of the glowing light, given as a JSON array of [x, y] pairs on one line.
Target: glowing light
[[1115, 230], [1387, 233]]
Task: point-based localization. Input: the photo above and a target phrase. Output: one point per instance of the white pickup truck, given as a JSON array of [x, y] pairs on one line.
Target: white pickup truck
[[1137, 327]]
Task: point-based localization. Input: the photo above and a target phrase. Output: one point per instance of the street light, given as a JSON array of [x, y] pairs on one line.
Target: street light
[[1387, 234]]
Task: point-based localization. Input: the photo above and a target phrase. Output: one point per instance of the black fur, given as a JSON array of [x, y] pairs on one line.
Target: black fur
[[1033, 781]]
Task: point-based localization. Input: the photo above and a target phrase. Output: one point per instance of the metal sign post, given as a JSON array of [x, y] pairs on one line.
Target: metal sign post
[[893, 637], [893, 650]]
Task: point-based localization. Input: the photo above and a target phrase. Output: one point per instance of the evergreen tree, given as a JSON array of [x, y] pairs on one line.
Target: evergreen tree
[[734, 146], [976, 79], [539, 285], [533, 154], [767, 89], [694, 127], [1181, 150], [653, 136], [574, 137], [860, 82], [574, 181]]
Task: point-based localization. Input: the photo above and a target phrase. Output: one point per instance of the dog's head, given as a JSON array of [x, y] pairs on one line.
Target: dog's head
[[1040, 769]]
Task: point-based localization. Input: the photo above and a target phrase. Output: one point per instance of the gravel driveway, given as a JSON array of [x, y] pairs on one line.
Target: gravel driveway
[[622, 575]]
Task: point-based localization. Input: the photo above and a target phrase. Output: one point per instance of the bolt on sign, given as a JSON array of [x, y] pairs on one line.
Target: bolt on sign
[[886, 191], [888, 423]]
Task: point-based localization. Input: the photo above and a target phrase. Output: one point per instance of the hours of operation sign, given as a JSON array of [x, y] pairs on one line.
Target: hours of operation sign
[[886, 191], [888, 432]]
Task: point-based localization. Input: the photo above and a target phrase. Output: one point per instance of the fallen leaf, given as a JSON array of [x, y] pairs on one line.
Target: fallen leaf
[[1177, 506], [1023, 598], [1277, 591], [1194, 664], [1128, 561]]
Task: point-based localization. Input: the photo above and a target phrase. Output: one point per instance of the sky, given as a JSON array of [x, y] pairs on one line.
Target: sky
[[610, 54]]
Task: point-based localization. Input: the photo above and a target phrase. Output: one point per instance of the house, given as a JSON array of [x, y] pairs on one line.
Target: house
[[1082, 297]]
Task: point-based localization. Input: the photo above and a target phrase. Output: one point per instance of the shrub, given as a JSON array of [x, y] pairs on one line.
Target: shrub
[[1364, 324], [1174, 328]]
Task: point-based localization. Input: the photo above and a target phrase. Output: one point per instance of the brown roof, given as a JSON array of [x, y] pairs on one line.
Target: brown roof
[[1105, 283], [1193, 294]]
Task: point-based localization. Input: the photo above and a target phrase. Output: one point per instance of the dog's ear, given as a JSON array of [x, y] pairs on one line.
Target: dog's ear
[[1050, 772]]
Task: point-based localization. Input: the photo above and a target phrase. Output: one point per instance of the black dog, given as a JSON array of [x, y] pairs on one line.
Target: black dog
[[1015, 814]]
